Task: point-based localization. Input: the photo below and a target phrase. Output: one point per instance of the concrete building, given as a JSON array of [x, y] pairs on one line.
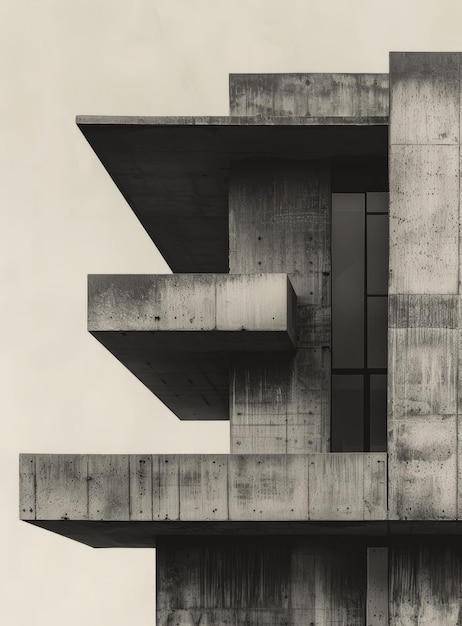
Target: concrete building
[[337, 506]]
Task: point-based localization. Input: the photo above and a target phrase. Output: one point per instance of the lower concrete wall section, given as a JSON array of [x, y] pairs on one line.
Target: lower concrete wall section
[[261, 582], [295, 581], [426, 582]]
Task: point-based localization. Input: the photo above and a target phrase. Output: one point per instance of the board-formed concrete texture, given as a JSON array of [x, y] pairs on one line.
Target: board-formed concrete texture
[[355, 96], [203, 488], [297, 581], [279, 216], [424, 283], [283, 531]]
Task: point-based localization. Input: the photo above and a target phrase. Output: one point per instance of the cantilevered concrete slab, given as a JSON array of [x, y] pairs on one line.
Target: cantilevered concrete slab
[[173, 171], [129, 499], [180, 333]]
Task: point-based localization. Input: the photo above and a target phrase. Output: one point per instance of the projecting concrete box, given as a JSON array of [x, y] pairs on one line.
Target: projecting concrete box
[[179, 333]]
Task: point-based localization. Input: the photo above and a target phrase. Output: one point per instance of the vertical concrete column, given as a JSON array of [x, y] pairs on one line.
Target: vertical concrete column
[[279, 221], [424, 285]]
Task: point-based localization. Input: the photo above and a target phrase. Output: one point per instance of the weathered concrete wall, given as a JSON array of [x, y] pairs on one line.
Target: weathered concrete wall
[[424, 285], [280, 222], [342, 487], [261, 582], [425, 582], [191, 302], [423, 406], [309, 95], [176, 332]]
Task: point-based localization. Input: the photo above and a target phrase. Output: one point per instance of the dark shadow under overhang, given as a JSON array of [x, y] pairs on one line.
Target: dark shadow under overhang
[[148, 534], [173, 172]]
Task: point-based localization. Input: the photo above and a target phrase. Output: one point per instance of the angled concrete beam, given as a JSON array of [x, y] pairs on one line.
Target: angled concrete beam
[[178, 333], [230, 490]]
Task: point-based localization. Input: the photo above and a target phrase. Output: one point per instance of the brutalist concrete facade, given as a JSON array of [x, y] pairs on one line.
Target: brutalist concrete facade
[[284, 530]]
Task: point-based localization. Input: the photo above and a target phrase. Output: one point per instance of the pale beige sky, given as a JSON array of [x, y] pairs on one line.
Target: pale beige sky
[[62, 218]]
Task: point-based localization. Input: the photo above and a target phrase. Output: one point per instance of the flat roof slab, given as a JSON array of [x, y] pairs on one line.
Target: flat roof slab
[[174, 172], [178, 334]]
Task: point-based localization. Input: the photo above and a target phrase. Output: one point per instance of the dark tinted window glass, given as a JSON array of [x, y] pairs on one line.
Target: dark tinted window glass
[[348, 280], [378, 412], [377, 202], [347, 413], [377, 332], [359, 321], [377, 254]]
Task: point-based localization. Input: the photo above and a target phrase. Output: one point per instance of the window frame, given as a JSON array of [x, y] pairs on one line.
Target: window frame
[[365, 372]]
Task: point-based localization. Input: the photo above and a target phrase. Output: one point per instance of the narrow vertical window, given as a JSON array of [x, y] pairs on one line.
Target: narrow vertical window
[[348, 280], [359, 321]]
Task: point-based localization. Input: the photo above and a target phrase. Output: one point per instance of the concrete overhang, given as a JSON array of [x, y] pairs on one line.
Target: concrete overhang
[[129, 500], [173, 171], [179, 334]]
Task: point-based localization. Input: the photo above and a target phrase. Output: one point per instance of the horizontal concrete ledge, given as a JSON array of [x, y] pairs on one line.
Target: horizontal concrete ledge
[[235, 120], [178, 333], [174, 172], [349, 487]]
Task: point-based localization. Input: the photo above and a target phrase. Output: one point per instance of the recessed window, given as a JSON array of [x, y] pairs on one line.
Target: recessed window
[[359, 321]]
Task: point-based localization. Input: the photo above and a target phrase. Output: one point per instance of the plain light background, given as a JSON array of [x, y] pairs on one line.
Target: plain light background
[[62, 218]]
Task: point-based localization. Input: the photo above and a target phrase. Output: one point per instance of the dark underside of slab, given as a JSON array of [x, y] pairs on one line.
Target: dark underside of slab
[[130, 534], [174, 172], [193, 379]]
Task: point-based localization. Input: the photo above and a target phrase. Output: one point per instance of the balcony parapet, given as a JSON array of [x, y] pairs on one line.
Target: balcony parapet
[[92, 498]]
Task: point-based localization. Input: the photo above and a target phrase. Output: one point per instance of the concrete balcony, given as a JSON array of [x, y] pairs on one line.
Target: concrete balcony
[[129, 500], [179, 333]]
